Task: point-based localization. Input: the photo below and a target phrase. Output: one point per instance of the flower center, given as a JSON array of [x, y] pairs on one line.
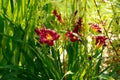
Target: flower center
[[49, 37], [74, 37]]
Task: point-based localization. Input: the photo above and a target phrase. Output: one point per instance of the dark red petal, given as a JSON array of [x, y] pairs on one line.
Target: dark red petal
[[56, 37], [43, 40], [50, 32], [100, 40], [72, 37], [79, 22], [96, 27], [37, 31], [50, 42], [76, 28], [55, 12], [59, 18], [99, 30], [67, 33], [73, 40]]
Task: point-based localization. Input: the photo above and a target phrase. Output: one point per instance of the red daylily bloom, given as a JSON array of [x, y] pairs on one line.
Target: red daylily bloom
[[55, 12], [47, 36], [58, 16], [100, 41], [96, 27], [72, 36], [78, 25], [76, 29], [79, 22]]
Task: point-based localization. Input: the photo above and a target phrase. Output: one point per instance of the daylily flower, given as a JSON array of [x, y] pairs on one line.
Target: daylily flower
[[73, 36], [47, 35], [55, 12], [58, 16], [95, 27], [79, 22], [78, 26], [100, 41]]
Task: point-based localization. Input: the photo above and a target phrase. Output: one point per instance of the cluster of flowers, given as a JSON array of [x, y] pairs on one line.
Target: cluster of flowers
[[50, 36], [100, 40]]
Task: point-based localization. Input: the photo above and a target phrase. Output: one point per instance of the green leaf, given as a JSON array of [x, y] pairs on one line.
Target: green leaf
[[106, 77], [5, 5], [1, 29], [12, 6], [114, 70], [67, 73]]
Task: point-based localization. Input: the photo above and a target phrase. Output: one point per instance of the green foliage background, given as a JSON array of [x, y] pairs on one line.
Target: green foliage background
[[22, 57]]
